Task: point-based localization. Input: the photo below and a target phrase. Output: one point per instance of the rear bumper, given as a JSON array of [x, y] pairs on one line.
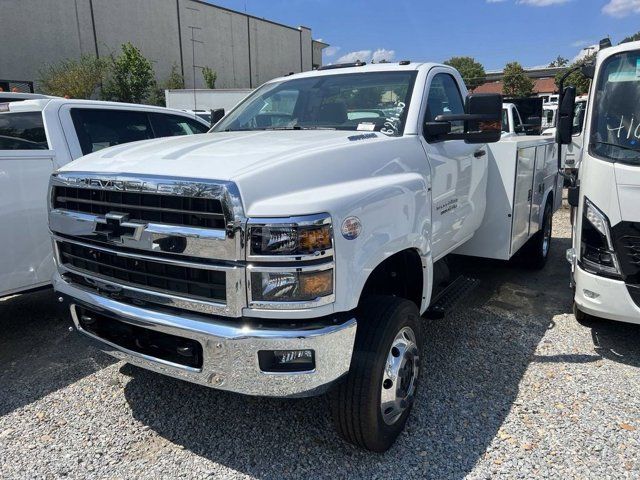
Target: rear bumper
[[611, 300], [229, 351]]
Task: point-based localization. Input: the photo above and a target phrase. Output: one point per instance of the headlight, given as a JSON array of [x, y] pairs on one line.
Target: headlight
[[309, 236], [296, 243], [291, 286], [597, 254]]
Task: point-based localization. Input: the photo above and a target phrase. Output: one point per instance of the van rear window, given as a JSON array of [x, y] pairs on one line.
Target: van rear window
[[22, 131]]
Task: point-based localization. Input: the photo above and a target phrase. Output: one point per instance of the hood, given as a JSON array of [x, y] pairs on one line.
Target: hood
[[277, 172], [217, 156]]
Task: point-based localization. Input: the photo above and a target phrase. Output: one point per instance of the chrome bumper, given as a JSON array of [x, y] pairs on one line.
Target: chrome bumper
[[230, 359]]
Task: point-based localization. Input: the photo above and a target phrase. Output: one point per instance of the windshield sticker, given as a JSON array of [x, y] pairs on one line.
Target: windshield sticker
[[366, 127], [638, 68], [393, 124], [622, 76]]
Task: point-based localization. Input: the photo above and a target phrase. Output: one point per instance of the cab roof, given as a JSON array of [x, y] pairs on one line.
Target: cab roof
[[374, 67], [54, 102]]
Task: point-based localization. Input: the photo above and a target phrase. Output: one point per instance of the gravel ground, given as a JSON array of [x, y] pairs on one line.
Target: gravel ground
[[512, 387]]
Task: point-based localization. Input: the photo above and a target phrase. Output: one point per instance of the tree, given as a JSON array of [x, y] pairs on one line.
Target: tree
[[175, 81], [632, 38], [73, 78], [559, 62], [131, 77], [209, 76], [577, 79], [515, 82], [472, 72]]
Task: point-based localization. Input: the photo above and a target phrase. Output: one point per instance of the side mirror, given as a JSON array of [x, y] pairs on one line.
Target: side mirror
[[482, 121], [588, 70], [565, 116], [437, 130], [216, 115]]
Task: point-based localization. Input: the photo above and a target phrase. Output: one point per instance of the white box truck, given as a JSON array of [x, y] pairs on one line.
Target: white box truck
[[605, 255], [292, 250]]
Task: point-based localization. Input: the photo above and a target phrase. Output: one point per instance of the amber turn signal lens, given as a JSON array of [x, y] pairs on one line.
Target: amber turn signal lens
[[314, 239], [316, 284]]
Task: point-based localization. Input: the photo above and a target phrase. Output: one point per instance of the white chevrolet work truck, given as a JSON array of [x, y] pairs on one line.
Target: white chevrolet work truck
[[605, 256], [294, 248]]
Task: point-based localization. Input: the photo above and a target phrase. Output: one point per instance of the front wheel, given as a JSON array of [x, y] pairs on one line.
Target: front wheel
[[371, 406]]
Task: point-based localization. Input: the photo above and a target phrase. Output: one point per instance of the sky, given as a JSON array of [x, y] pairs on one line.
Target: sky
[[494, 32]]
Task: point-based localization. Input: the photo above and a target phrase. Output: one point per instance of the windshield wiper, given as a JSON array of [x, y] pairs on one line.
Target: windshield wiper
[[283, 127], [298, 127], [622, 147]]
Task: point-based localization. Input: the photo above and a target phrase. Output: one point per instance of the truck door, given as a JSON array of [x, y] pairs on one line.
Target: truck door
[[26, 164], [458, 170]]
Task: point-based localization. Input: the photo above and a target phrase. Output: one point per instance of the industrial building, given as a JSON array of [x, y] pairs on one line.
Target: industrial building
[[244, 50]]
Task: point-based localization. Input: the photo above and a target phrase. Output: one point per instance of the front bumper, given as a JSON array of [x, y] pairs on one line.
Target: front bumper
[[230, 351], [604, 297]]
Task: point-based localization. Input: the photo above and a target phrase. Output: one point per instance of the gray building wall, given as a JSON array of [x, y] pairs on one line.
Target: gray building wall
[[244, 51]]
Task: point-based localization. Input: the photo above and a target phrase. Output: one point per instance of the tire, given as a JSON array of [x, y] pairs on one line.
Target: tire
[[383, 322], [540, 244]]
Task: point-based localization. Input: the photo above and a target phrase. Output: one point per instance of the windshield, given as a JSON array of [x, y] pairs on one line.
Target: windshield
[[372, 101], [615, 128]]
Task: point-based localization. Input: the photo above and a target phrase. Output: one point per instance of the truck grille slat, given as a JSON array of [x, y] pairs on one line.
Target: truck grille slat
[[148, 207], [187, 281]]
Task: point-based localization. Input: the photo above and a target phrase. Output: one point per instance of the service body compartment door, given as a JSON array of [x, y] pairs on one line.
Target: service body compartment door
[[523, 196], [539, 188]]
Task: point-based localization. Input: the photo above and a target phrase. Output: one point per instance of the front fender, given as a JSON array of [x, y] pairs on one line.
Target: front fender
[[395, 213]]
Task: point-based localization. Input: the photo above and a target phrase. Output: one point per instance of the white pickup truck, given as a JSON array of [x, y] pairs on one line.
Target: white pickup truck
[[39, 136], [293, 249], [512, 124]]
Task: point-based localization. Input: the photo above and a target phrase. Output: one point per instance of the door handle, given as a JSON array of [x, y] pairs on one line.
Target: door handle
[[479, 153], [530, 196]]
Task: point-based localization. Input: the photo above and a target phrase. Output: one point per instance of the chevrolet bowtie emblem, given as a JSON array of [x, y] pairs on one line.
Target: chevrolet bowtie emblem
[[117, 227]]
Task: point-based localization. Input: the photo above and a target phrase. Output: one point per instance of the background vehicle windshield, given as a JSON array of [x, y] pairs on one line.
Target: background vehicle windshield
[[615, 131], [578, 116], [373, 102]]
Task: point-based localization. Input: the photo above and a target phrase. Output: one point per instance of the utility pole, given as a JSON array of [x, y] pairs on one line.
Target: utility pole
[[194, 29]]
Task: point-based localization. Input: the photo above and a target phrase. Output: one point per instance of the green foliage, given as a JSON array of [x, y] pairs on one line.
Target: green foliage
[[632, 38], [209, 76], [515, 82], [175, 81], [73, 78], [472, 72], [559, 62], [131, 77], [577, 79]]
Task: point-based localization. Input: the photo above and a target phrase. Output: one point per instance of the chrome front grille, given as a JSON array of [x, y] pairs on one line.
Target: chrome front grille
[[144, 207], [189, 282], [170, 241]]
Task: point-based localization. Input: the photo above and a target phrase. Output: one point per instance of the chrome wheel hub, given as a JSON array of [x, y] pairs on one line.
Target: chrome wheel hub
[[400, 376]]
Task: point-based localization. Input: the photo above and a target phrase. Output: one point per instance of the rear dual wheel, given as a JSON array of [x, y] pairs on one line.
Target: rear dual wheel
[[371, 406]]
